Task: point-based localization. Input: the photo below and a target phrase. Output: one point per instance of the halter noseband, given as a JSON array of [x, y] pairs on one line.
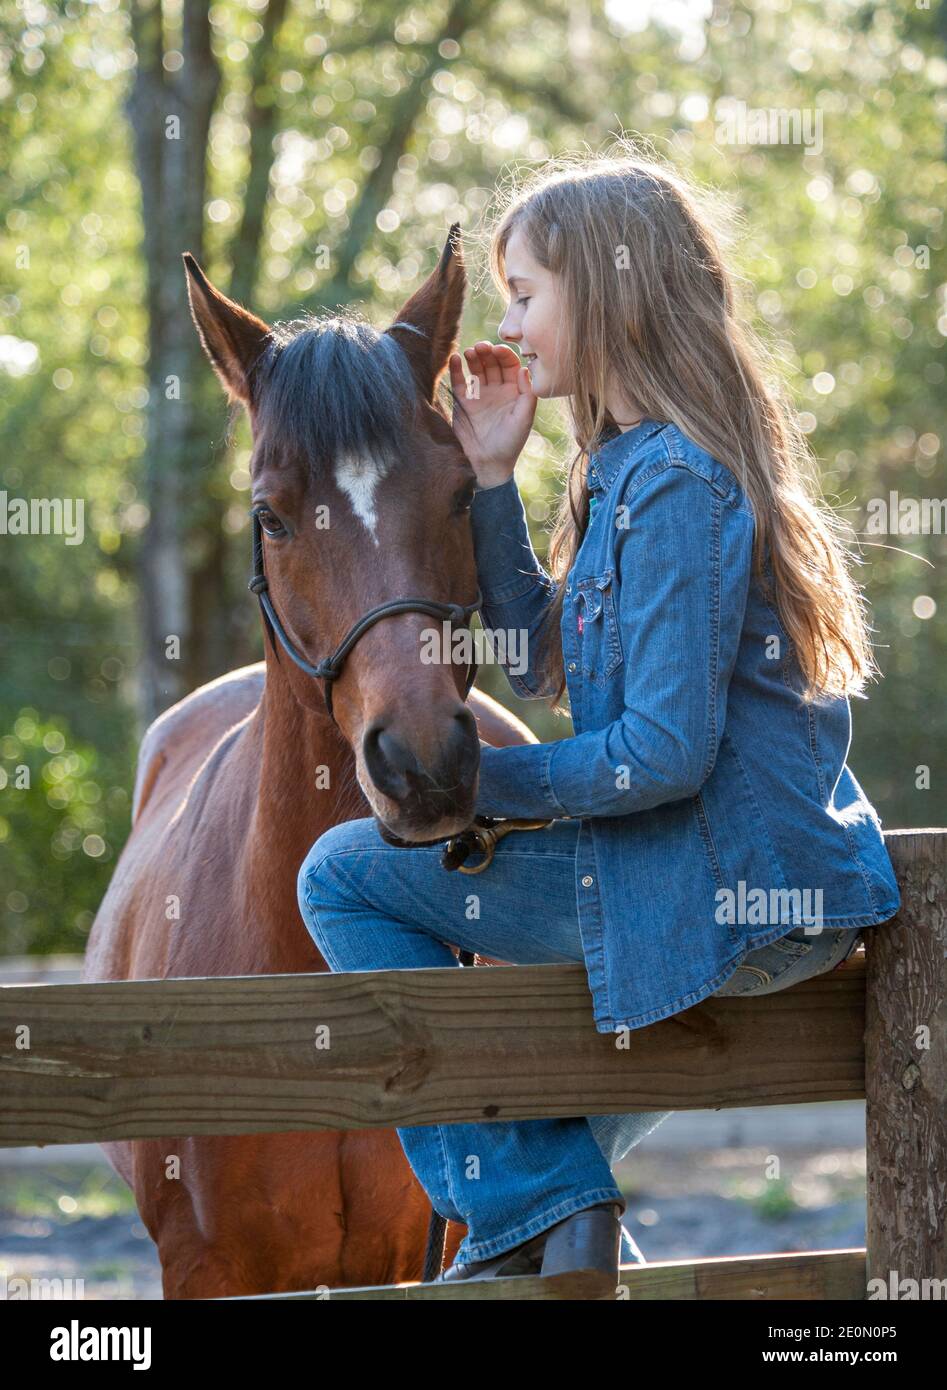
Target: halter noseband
[[330, 669]]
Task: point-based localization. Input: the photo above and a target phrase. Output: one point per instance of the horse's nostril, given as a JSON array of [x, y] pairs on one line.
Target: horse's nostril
[[389, 762], [467, 720], [400, 759], [400, 771]]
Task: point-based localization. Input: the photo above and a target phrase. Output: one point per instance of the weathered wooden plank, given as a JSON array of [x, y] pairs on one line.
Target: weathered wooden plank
[[140, 1059], [812, 1275], [906, 1060], [816, 1275]]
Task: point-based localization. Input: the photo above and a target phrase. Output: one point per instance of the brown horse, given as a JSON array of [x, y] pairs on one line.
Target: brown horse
[[238, 780]]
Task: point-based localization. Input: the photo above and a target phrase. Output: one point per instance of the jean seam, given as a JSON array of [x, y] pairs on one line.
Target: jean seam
[[319, 941], [485, 1250], [446, 1169]]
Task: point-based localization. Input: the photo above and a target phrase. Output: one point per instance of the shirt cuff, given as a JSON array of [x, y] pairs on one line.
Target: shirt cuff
[[515, 781]]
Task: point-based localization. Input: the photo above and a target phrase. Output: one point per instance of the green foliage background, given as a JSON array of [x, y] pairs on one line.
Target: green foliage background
[[843, 253]]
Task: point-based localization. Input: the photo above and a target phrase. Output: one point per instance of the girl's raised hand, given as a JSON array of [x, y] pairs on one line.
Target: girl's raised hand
[[498, 414]]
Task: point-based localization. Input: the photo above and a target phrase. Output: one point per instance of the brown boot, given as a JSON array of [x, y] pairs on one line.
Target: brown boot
[[588, 1240]]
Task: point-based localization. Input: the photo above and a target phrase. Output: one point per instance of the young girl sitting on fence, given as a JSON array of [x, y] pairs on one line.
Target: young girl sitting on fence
[[705, 835]]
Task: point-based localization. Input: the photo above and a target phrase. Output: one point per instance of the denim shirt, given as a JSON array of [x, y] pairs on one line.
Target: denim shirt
[[717, 810]]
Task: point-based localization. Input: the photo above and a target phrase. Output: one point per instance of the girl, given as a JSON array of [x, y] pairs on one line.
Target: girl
[[706, 835]]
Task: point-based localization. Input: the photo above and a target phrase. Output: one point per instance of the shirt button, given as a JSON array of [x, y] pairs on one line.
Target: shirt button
[[571, 665], [588, 881]]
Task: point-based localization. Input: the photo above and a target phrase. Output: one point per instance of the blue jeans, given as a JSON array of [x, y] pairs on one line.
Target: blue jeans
[[371, 906]]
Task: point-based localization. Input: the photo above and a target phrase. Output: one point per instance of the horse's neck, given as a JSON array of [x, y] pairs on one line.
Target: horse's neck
[[306, 784]]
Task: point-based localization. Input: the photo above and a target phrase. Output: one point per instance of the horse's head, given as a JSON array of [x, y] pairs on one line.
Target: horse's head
[[363, 494]]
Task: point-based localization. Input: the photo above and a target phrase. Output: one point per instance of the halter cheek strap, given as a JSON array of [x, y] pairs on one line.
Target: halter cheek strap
[[330, 669]]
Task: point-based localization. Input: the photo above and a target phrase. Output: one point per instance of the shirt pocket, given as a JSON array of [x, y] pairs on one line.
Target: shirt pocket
[[598, 632]]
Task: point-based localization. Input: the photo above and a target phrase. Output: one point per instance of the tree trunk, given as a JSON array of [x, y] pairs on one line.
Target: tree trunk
[[170, 117]]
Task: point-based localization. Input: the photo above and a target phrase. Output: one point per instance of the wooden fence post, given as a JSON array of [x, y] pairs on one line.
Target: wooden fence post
[[906, 1076]]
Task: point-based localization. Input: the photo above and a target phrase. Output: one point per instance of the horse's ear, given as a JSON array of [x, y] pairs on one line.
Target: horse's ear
[[232, 337], [429, 321]]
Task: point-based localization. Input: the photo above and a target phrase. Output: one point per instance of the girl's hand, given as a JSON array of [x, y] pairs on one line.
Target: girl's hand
[[499, 416]]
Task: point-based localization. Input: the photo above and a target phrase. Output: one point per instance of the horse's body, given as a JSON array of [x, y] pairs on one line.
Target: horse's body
[[227, 803], [220, 816]]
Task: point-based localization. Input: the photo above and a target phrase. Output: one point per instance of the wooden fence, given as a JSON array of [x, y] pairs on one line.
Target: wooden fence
[[148, 1058]]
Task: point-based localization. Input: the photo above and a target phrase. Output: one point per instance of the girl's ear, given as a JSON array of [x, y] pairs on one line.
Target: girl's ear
[[232, 337]]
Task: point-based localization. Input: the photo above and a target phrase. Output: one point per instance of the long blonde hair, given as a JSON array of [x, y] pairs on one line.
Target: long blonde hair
[[667, 328]]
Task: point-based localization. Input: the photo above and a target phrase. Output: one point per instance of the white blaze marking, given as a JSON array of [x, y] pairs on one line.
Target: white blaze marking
[[358, 478]]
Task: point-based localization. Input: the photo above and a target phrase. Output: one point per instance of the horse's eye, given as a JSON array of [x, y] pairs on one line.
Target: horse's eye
[[465, 501], [269, 521]]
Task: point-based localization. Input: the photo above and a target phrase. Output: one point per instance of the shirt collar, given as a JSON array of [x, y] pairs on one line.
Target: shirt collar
[[606, 460]]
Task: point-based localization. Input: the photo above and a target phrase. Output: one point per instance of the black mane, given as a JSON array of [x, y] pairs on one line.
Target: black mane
[[332, 385]]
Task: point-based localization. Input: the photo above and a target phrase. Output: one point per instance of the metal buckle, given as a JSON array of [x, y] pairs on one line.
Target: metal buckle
[[483, 838]]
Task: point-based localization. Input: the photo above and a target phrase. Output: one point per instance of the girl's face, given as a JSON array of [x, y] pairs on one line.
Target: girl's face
[[534, 319]]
